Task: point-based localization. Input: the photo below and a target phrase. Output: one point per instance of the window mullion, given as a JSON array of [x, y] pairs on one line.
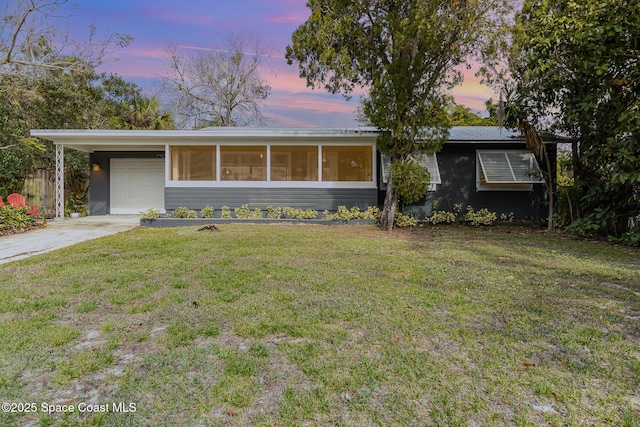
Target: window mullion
[[513, 175]]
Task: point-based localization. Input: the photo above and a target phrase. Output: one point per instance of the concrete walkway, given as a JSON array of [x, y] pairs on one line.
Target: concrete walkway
[[61, 233]]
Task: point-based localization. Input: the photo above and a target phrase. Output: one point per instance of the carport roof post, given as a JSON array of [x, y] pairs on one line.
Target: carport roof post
[[59, 181]]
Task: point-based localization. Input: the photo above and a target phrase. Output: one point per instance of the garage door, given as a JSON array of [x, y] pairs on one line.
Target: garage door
[[136, 185]]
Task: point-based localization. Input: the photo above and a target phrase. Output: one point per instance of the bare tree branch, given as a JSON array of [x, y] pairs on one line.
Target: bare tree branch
[[218, 87], [29, 40]]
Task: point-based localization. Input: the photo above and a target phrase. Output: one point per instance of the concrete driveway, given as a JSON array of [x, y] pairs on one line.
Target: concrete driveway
[[61, 233]]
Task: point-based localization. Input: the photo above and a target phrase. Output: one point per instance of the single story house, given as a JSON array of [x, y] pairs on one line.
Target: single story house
[[132, 171]]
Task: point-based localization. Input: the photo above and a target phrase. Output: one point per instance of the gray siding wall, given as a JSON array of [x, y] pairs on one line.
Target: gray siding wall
[[100, 183], [303, 198], [457, 164]]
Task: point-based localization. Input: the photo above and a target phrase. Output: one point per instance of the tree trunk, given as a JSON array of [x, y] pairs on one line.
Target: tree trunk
[[577, 173], [550, 190], [390, 205]]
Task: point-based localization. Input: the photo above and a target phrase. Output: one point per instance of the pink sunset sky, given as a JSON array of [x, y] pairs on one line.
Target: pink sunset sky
[[204, 24]]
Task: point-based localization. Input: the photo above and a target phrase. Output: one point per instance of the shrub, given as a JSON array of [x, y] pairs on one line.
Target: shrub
[[404, 221], [257, 213], [310, 214], [274, 213], [225, 212], [510, 218], [372, 212], [631, 237], [243, 211], [300, 213], [75, 203], [11, 218], [442, 217], [184, 212], [583, 227], [481, 217], [410, 180], [207, 212], [287, 211], [344, 214], [150, 214]]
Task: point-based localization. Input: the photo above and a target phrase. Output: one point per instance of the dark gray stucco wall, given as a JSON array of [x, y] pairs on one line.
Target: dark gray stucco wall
[[303, 198], [99, 183], [457, 162]]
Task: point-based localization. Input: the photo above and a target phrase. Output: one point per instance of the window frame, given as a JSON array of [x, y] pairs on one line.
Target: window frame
[[243, 153], [516, 183], [281, 151], [330, 149], [219, 183], [425, 159], [174, 150]]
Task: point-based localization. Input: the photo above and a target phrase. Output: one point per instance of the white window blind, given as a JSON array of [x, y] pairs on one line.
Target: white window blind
[[509, 167]]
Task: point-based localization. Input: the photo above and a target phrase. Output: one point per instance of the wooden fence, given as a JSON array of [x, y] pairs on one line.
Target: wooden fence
[[39, 189]]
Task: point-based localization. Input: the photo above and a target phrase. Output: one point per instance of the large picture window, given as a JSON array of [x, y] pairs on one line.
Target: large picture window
[[294, 163], [248, 163], [193, 163], [283, 165], [347, 163]]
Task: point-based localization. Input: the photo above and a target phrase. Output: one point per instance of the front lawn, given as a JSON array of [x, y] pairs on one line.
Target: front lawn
[[313, 325]]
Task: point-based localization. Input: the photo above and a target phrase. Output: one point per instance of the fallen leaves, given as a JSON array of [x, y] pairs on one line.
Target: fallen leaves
[[10, 231]]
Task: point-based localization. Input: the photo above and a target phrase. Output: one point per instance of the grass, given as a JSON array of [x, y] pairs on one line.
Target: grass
[[299, 325]]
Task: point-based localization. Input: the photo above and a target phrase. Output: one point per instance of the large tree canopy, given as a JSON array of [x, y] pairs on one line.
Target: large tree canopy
[[47, 80], [463, 116], [28, 39], [577, 70], [58, 99], [405, 53]]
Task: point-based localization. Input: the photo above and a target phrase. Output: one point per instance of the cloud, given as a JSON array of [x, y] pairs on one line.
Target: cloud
[[287, 19], [292, 12], [175, 17], [309, 119], [472, 93]]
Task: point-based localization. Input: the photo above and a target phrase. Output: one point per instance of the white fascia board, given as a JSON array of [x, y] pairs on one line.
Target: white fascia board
[[104, 140], [221, 133]]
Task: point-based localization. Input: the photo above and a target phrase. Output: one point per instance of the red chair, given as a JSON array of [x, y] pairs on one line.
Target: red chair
[[1, 202], [17, 201]]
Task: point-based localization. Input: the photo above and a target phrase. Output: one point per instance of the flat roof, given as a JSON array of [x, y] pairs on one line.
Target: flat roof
[[155, 140], [152, 140]]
